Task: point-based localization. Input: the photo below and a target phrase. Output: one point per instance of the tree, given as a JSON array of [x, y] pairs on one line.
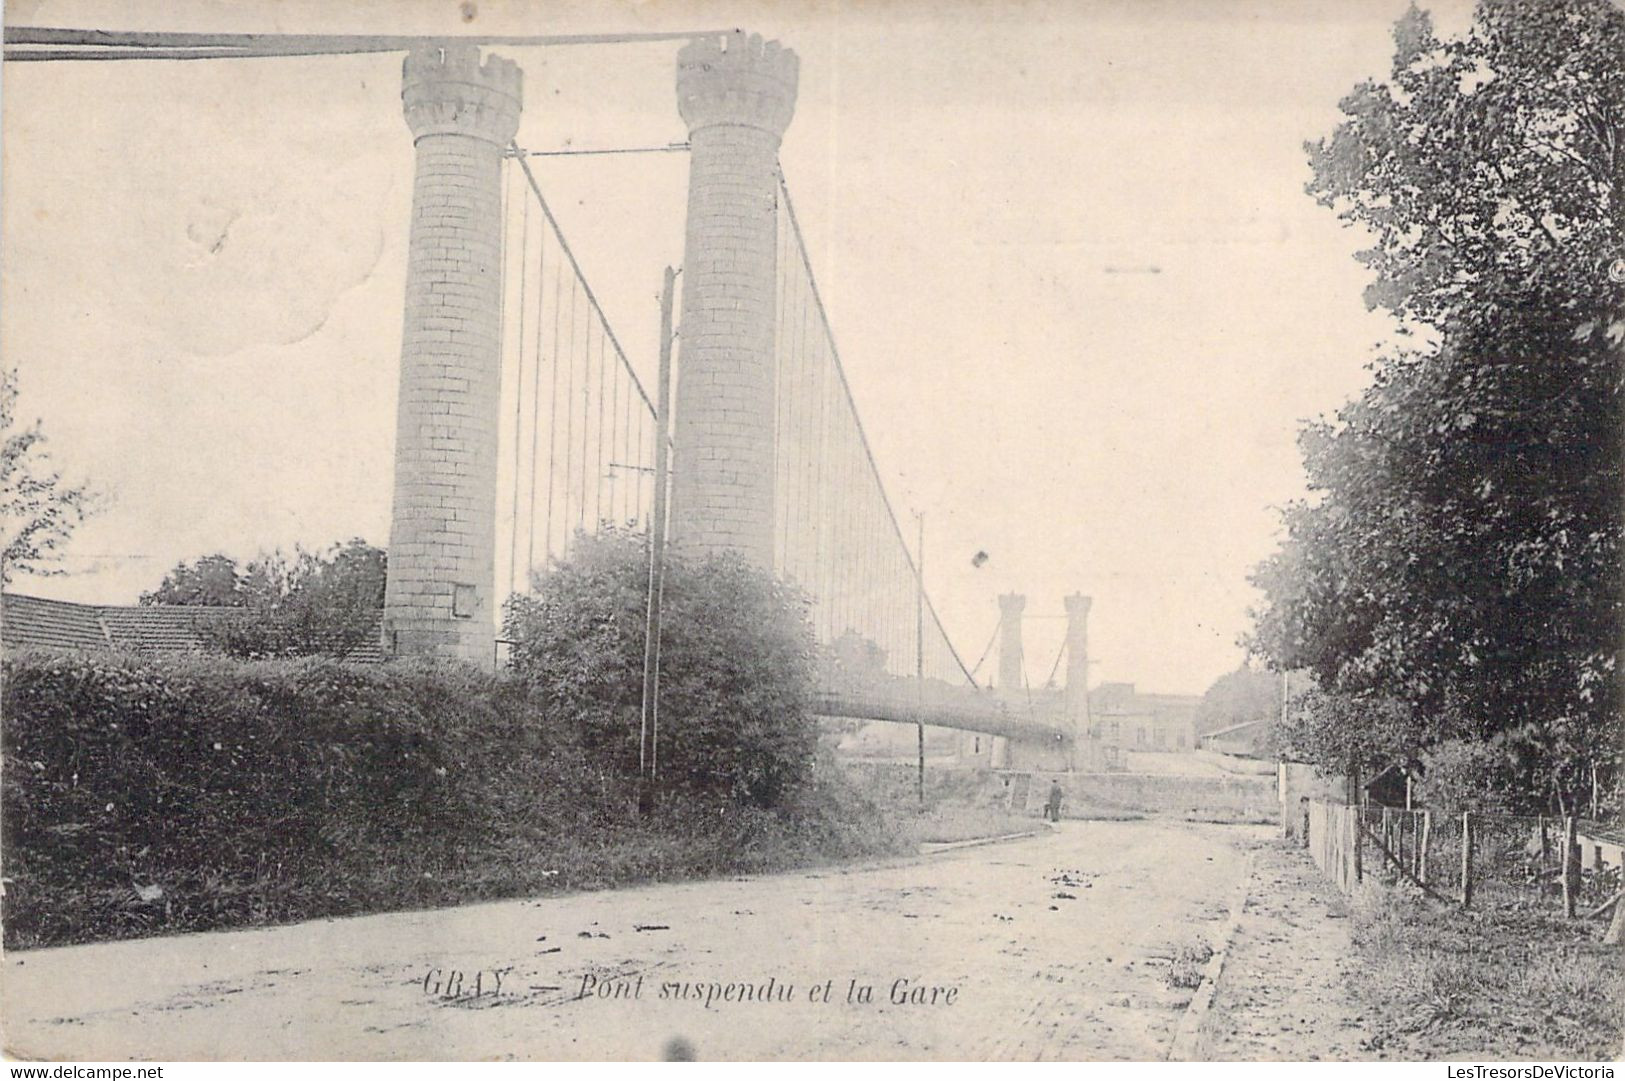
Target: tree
[[1247, 694], [324, 602], [213, 580], [736, 664], [38, 510], [1460, 561], [1488, 169], [852, 664], [1341, 733]]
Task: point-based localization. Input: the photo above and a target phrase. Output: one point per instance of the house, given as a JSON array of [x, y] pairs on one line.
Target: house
[[147, 629], [1134, 721]]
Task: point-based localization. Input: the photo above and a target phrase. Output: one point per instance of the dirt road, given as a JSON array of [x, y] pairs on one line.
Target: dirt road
[[1054, 947], [1285, 990]]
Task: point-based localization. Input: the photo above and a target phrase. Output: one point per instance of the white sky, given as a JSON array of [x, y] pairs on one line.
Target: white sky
[[966, 175]]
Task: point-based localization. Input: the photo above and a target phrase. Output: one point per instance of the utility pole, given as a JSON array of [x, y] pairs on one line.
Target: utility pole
[[649, 728], [919, 655]]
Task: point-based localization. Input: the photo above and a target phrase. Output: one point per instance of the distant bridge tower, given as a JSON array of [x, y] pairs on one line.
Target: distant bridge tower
[[1011, 605], [1077, 660], [737, 102], [442, 537]]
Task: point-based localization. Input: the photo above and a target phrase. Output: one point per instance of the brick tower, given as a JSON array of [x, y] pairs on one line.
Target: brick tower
[[736, 94], [442, 537]]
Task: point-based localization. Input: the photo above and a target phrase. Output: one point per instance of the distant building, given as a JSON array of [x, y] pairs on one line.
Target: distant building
[[1123, 718], [1248, 739], [148, 629]]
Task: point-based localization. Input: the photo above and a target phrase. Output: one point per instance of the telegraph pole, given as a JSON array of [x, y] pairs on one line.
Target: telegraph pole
[[919, 655], [649, 728]]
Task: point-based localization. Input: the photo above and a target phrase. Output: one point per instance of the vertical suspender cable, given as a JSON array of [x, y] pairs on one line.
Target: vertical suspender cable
[[553, 411], [518, 386]]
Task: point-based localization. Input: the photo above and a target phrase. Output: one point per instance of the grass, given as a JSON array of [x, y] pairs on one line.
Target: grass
[[960, 805], [1491, 983], [842, 817], [1188, 965], [966, 822]]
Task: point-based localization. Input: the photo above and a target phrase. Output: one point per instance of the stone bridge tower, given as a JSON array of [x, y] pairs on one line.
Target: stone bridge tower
[[442, 540], [1011, 605], [736, 94], [1077, 659]]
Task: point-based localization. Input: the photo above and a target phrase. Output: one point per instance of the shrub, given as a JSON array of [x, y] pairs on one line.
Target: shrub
[[1473, 775], [151, 784], [736, 662], [147, 796]]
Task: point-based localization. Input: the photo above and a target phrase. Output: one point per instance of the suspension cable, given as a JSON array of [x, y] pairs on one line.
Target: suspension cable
[[863, 439]]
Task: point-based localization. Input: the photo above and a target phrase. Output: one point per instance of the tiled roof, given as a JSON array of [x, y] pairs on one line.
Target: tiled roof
[[158, 628], [1231, 729], [34, 621]]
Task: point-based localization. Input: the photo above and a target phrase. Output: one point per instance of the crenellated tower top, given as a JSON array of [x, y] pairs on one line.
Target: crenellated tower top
[[449, 91], [737, 79]]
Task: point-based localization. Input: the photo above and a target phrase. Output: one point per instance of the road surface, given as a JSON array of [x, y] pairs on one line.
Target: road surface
[[1054, 947]]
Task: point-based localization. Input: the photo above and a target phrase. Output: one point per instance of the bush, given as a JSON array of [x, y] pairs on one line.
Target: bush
[[150, 785], [147, 796], [736, 664], [1473, 775]]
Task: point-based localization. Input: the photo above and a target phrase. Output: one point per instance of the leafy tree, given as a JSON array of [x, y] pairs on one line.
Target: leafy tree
[[1247, 694], [213, 580], [1343, 732], [853, 665], [736, 664], [323, 602], [1472, 775], [1460, 562], [38, 510], [1488, 169]]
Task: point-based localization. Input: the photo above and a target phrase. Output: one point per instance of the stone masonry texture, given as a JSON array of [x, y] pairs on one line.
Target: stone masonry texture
[[439, 598], [736, 95]]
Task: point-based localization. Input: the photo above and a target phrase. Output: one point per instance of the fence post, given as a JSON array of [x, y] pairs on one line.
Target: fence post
[[1356, 819], [1303, 803], [1545, 841], [1422, 848], [1571, 866], [1466, 858]]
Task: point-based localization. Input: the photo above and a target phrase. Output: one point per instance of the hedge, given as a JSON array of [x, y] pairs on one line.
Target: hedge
[[146, 796]]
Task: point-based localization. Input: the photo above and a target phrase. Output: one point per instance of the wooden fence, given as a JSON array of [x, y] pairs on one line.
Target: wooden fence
[[1332, 832], [1497, 860]]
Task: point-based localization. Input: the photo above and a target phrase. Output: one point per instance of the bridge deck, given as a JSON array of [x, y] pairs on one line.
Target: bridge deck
[[984, 716]]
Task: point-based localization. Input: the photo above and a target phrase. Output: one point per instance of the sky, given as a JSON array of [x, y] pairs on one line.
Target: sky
[[1082, 299]]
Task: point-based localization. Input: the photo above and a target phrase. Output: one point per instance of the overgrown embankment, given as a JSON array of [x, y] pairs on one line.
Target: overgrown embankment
[[959, 804], [148, 797], [1494, 983]]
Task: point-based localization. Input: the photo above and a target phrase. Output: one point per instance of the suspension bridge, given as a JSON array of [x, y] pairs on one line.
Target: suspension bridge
[[523, 425]]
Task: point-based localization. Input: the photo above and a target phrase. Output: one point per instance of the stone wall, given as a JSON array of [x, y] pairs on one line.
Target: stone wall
[[1092, 795], [1203, 799]]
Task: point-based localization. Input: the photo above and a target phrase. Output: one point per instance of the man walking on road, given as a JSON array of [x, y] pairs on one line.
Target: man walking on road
[[1052, 809]]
